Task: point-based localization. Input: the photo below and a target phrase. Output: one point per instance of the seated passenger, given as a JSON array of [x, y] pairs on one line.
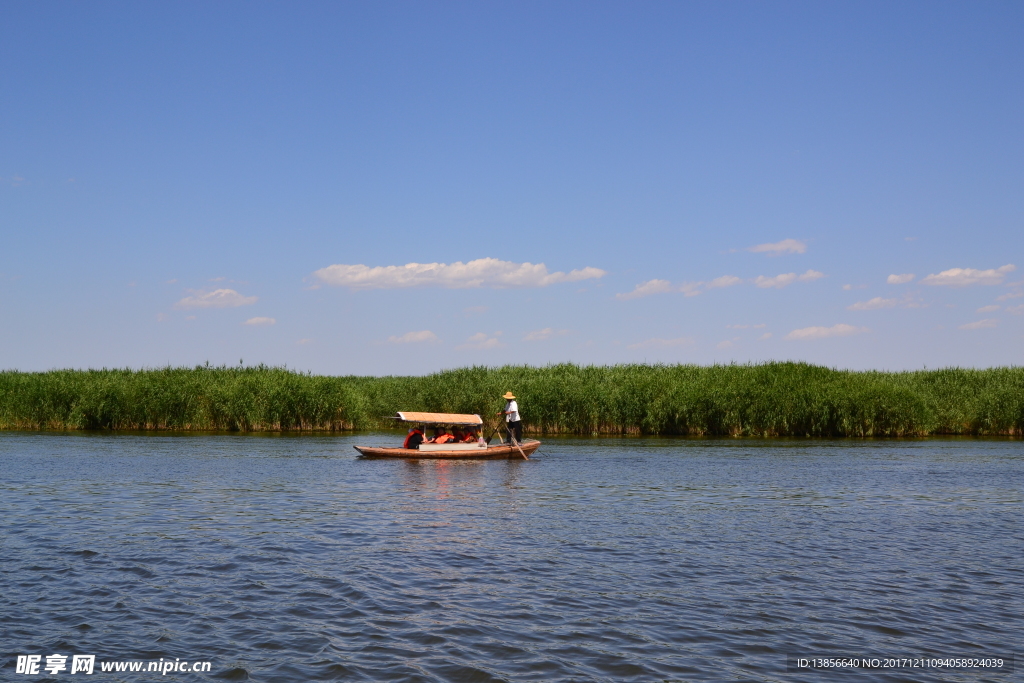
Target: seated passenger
[[457, 435], [470, 436], [414, 438], [441, 435]]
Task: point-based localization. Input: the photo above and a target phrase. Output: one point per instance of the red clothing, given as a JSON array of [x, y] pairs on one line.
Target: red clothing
[[411, 440]]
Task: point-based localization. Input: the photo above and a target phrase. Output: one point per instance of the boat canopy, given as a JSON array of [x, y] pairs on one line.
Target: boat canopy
[[440, 418]]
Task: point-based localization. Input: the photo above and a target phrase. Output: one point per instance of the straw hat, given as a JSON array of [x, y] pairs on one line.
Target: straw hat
[[508, 395]]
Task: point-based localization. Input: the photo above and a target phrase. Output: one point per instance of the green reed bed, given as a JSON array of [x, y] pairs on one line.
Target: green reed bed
[[770, 399]]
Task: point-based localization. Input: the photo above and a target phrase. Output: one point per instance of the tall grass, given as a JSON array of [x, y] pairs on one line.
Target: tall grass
[[770, 399]]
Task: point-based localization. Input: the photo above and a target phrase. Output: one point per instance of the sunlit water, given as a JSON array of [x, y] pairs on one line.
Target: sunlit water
[[289, 559]]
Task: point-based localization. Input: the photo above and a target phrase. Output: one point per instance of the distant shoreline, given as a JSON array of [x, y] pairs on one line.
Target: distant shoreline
[[762, 400], [548, 437]]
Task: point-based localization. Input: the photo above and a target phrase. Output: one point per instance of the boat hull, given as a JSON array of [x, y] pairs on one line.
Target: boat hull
[[499, 451]]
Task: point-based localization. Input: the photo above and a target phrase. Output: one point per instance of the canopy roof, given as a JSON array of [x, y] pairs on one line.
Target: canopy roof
[[441, 418]]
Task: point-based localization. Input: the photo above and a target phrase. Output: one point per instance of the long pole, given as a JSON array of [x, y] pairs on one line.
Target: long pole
[[497, 425], [514, 442], [511, 437]]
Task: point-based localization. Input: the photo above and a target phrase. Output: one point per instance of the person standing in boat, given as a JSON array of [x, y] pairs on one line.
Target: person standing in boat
[[512, 418]]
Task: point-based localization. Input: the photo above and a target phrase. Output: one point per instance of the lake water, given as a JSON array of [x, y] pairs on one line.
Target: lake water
[[289, 559]]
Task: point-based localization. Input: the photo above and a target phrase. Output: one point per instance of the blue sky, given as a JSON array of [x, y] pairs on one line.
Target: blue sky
[[592, 182]]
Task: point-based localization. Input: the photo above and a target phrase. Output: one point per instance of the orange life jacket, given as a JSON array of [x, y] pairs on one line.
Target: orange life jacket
[[469, 438], [409, 436], [444, 438]]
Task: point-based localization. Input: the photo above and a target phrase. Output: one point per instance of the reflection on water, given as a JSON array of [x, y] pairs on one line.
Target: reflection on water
[[289, 559]]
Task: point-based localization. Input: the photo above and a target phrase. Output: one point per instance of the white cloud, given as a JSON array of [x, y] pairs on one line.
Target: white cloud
[[779, 281], [691, 288], [873, 304], [413, 337], [662, 343], [546, 333], [646, 289], [962, 277], [484, 272], [481, 341], [824, 332], [727, 343], [766, 335], [687, 288], [980, 324], [694, 288], [218, 298], [1015, 310], [788, 246], [786, 279], [847, 288], [989, 308], [260, 321], [1009, 295], [900, 279], [724, 281]]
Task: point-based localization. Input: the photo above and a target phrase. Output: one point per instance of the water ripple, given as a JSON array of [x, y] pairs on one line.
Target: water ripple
[[286, 559]]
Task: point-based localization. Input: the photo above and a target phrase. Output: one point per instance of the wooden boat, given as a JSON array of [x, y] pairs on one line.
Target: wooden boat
[[496, 451], [477, 449]]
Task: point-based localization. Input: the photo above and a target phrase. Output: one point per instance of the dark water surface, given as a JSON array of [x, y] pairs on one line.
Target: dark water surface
[[288, 559]]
